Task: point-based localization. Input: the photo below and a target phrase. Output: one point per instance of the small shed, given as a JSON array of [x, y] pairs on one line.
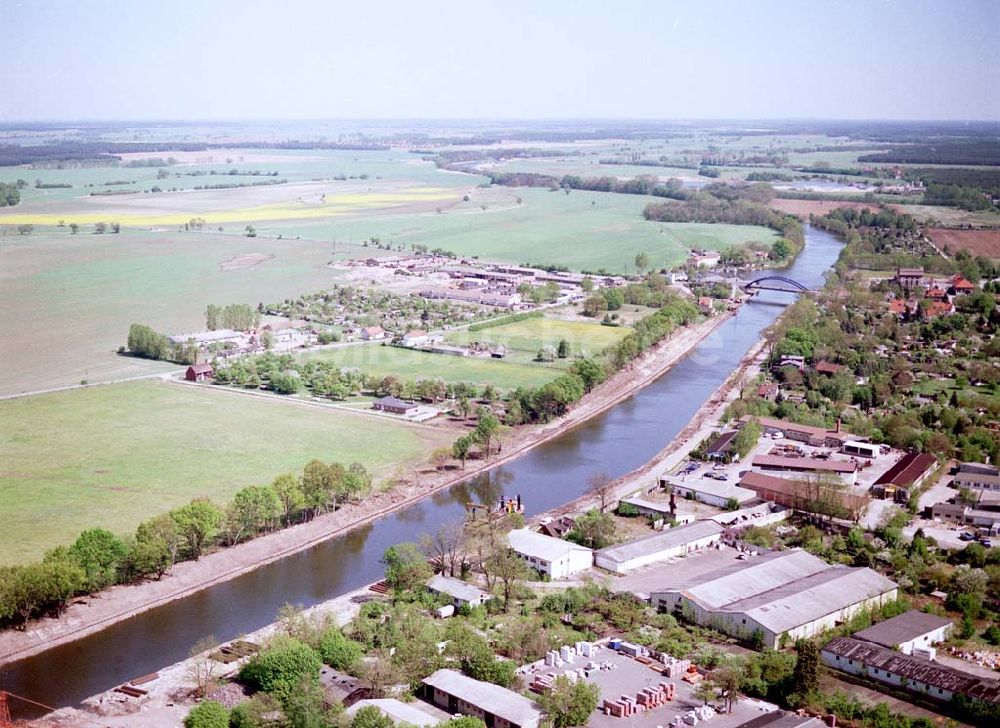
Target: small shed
[[199, 372]]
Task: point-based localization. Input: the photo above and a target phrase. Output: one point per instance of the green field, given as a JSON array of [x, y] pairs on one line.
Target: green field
[[412, 365], [525, 338], [113, 456], [68, 300], [581, 230]]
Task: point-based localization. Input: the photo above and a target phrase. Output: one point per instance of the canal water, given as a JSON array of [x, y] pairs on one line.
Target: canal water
[[616, 442]]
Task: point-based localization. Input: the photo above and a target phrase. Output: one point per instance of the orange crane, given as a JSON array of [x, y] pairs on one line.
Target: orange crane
[[5, 719]]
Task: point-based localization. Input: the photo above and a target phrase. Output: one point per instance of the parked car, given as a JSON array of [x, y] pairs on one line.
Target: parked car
[[966, 536]]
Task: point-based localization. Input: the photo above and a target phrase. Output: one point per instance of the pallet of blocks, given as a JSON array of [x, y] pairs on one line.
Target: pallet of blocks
[[543, 683]]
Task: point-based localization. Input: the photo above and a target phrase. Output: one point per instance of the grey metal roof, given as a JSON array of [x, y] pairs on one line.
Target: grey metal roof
[[456, 588], [915, 668], [529, 543], [783, 590], [491, 698], [398, 711], [903, 628], [663, 541]]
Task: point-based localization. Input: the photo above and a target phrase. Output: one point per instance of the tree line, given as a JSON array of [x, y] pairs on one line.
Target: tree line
[[145, 342], [99, 559], [10, 195], [235, 316]]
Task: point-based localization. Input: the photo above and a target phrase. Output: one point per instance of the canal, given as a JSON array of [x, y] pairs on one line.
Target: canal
[[616, 442]]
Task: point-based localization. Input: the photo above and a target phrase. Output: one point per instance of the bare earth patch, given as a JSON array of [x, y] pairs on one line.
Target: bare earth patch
[[243, 262], [805, 208], [977, 242]]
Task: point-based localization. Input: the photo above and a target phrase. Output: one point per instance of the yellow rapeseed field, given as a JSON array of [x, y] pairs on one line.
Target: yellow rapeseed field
[[332, 206]]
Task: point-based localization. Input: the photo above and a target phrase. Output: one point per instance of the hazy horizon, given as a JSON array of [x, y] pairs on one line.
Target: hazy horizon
[[772, 60]]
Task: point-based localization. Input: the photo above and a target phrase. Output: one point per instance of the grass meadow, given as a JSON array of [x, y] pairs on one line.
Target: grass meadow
[[581, 230], [68, 300], [409, 364], [524, 338], [115, 455]]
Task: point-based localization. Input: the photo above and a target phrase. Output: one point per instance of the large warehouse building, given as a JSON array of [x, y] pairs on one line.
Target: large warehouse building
[[780, 596]]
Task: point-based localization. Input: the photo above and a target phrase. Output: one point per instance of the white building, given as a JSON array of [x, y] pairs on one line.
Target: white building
[[460, 592], [496, 706], [977, 476], [705, 490], [908, 631], [553, 556], [659, 547], [777, 597]]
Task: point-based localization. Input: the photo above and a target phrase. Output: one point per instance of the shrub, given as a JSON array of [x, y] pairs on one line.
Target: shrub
[[210, 714], [338, 651], [281, 667]]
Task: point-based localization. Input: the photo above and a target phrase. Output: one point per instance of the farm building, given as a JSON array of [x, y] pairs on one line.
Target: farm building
[[553, 556], [659, 547], [779, 596], [394, 405], [460, 592], [861, 449], [911, 673], [908, 631], [496, 706], [977, 476], [909, 277], [815, 436], [909, 472], [199, 372], [372, 333], [206, 337], [713, 492], [416, 337], [400, 713], [800, 493], [845, 470]]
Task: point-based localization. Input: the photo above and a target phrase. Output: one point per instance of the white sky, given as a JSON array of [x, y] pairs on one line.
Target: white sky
[[239, 59]]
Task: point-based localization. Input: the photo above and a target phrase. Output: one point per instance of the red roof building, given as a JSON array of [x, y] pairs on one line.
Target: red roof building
[[199, 372], [939, 308], [960, 285], [826, 367], [909, 472]]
